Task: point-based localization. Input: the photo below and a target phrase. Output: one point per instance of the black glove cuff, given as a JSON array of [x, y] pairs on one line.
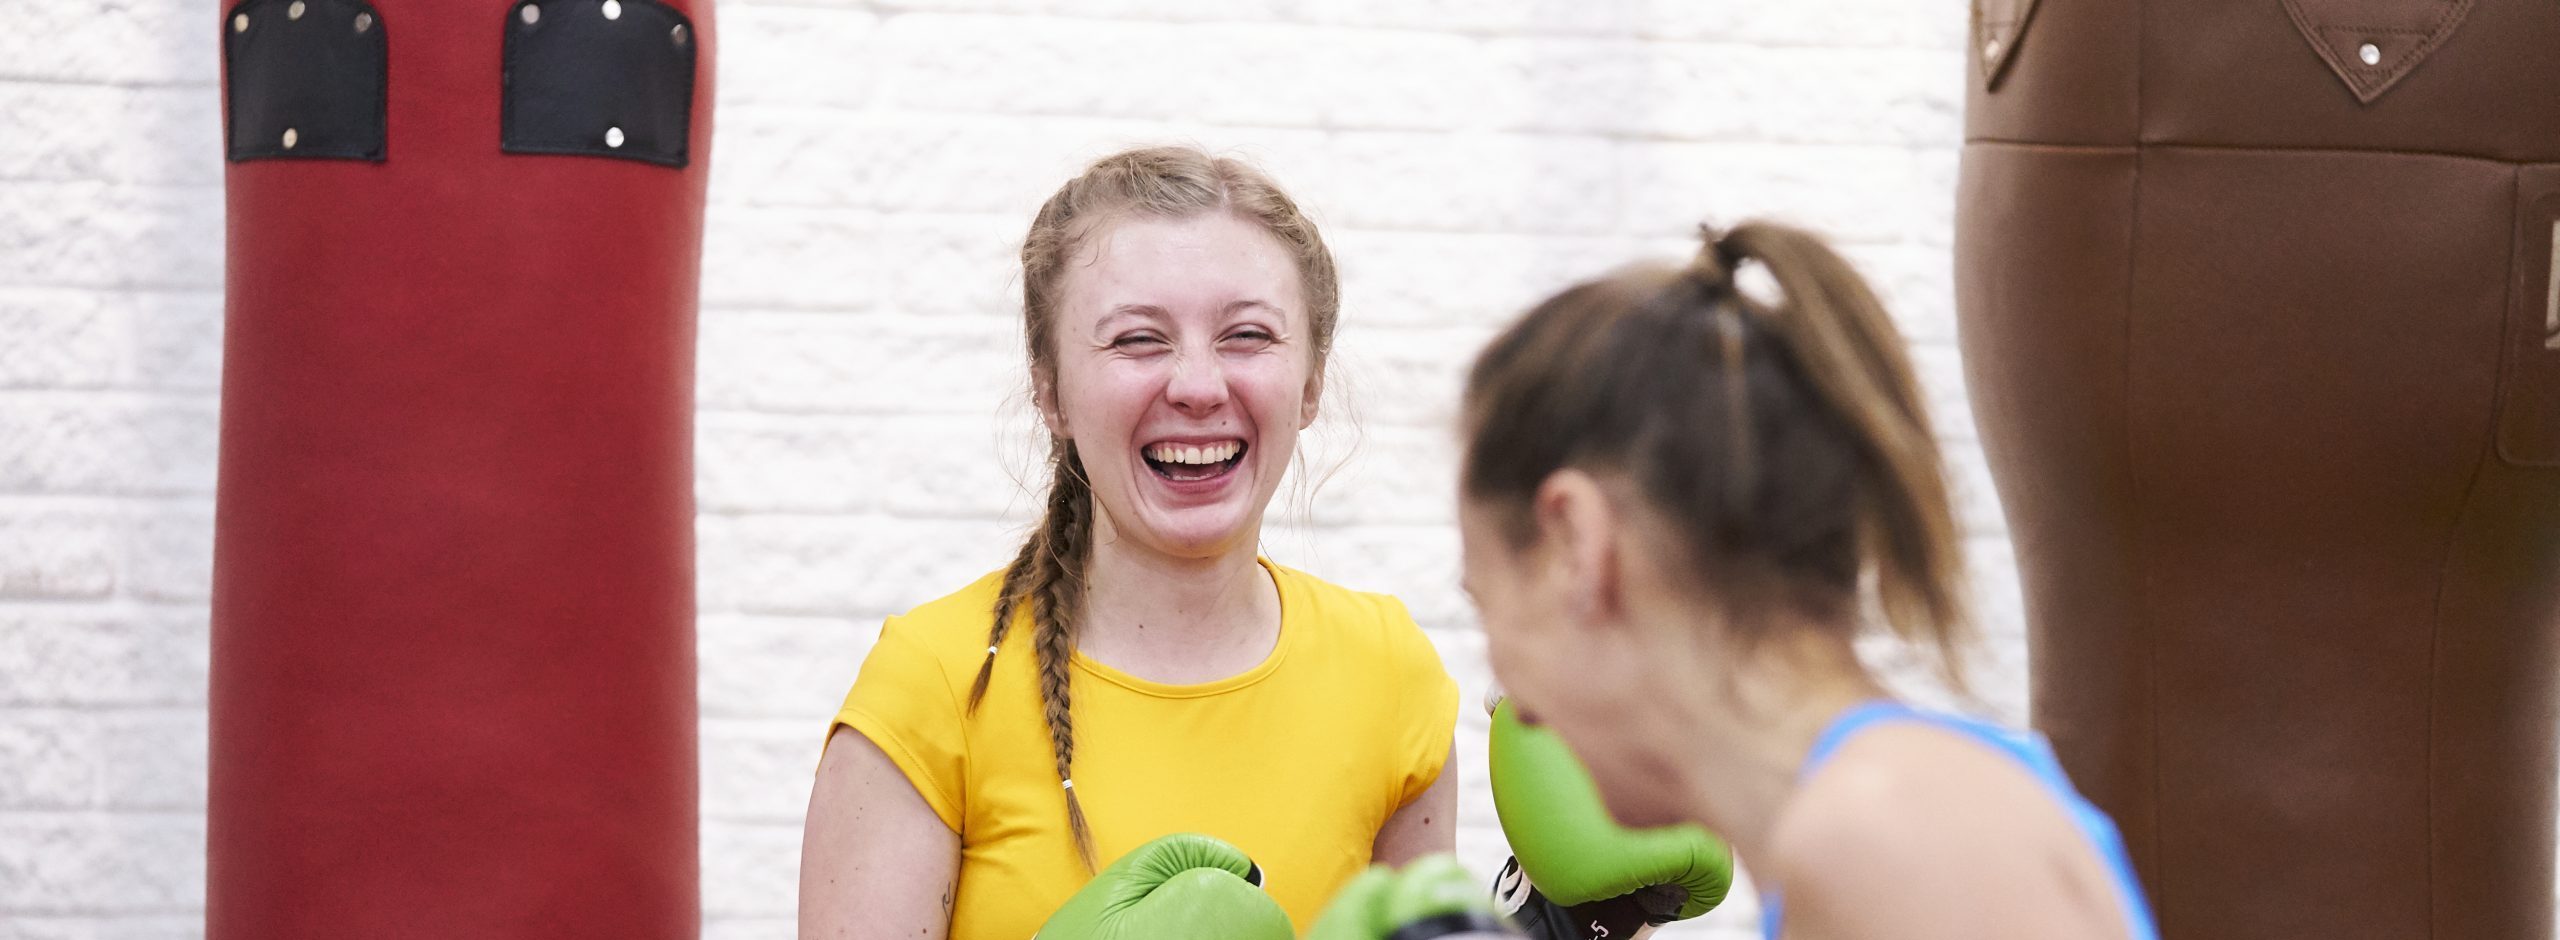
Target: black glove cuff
[[1432, 928], [1612, 919]]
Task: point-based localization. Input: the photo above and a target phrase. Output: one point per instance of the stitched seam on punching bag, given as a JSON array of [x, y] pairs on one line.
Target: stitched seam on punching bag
[[2451, 11], [2141, 561], [2133, 471], [2435, 649], [2453, 537], [2164, 145]]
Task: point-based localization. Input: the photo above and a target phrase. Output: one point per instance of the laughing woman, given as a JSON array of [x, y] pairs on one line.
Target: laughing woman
[[1139, 669]]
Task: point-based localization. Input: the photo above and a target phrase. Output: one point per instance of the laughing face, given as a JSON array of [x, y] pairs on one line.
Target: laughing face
[[1184, 373]]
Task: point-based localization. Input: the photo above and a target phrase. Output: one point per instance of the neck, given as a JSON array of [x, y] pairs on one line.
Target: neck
[[1136, 596], [1742, 773]]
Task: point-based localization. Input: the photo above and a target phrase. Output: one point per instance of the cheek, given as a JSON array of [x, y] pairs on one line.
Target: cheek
[[1105, 401], [1517, 646], [1637, 801], [1501, 648], [1274, 387]]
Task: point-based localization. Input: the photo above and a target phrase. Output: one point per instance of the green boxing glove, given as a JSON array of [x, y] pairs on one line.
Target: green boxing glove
[[1432, 899], [1576, 874], [1183, 886]]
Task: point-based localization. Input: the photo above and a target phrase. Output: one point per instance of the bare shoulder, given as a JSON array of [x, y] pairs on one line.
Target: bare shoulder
[[875, 862], [1916, 831]]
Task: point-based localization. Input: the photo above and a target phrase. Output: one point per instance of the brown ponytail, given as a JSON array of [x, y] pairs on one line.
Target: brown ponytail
[[1786, 441], [1855, 356], [1047, 576]]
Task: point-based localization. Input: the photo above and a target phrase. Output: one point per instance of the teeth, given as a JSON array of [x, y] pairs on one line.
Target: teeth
[[1187, 454]]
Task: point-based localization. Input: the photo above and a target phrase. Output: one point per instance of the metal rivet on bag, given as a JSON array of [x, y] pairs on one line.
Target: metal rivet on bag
[[291, 137], [294, 12], [678, 33], [364, 21], [612, 9], [2370, 53], [613, 137], [532, 14], [1991, 49], [240, 23]]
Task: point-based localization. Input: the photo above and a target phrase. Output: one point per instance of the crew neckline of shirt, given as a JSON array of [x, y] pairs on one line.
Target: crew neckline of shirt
[[1289, 611]]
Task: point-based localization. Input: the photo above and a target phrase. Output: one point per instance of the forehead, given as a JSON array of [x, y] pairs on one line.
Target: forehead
[[1199, 264]]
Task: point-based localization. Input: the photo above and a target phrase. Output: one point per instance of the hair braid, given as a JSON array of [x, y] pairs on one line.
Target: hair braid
[[1055, 590], [1047, 579], [1007, 601]]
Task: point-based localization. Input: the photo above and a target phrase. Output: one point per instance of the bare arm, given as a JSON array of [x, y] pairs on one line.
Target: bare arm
[[1426, 826], [875, 862]]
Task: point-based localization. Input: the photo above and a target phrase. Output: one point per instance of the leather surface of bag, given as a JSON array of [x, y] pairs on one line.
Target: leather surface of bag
[[2257, 307]]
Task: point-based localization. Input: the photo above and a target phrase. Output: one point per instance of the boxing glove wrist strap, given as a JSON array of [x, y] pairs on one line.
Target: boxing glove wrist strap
[[1462, 922]]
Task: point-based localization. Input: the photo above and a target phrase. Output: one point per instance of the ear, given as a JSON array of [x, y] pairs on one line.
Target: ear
[[1044, 396], [1577, 521], [1307, 407]]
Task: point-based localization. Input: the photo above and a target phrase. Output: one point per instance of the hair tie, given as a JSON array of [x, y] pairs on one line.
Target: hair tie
[[1718, 258], [1730, 255]]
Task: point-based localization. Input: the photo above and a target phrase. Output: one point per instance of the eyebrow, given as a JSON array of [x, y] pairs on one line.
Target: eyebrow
[[1143, 311]]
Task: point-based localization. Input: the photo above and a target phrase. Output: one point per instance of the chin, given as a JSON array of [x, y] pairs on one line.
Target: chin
[[1636, 783], [1201, 532], [1635, 804]]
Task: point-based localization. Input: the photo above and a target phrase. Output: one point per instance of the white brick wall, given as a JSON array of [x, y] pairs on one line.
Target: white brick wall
[[863, 440], [110, 342]]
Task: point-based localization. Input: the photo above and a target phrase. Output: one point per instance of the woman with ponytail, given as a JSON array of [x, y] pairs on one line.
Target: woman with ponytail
[[1683, 504], [1138, 670]]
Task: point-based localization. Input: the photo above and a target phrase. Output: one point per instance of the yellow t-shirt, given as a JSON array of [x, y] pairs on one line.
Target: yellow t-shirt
[[1298, 761]]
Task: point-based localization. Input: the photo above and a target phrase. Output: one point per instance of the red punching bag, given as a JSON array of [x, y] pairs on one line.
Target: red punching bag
[[453, 682]]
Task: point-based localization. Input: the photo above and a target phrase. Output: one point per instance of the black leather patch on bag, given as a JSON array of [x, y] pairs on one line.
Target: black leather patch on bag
[[598, 78], [305, 79]]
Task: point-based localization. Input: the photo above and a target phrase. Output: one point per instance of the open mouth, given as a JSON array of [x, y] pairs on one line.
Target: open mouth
[[1189, 463]]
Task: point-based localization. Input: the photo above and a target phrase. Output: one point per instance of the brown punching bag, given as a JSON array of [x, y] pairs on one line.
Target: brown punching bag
[[2258, 311], [453, 685]]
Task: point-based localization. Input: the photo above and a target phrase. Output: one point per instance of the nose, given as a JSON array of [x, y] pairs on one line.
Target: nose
[[1199, 383]]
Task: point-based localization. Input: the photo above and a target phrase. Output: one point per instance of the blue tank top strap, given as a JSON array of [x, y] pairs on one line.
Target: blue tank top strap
[[2030, 750]]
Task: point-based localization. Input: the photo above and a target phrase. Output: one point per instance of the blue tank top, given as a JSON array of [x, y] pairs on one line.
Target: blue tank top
[[2030, 750]]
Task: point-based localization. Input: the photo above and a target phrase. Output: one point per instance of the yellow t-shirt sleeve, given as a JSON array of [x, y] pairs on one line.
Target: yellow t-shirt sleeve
[[1429, 701], [904, 701]]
